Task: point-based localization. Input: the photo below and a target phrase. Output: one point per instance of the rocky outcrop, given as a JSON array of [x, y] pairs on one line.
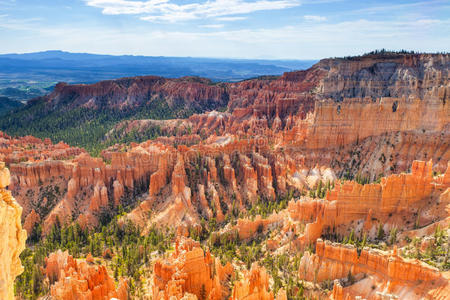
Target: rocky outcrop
[[255, 286], [130, 92], [389, 273], [280, 138], [390, 153], [386, 75], [31, 221], [190, 270], [13, 237], [391, 202], [87, 185], [248, 228], [72, 279], [29, 148]]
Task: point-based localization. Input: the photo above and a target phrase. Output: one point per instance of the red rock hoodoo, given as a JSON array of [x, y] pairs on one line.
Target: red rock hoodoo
[[72, 279]]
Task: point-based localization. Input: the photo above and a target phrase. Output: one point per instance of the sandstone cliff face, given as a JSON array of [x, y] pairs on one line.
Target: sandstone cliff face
[[352, 120], [368, 115], [391, 153], [72, 279], [388, 273], [350, 105], [190, 270], [13, 237], [248, 228], [399, 75], [31, 221], [390, 202], [255, 286], [156, 166], [184, 181]]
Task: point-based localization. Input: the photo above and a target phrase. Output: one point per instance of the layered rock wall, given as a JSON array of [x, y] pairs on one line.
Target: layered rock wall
[[387, 75], [128, 92], [349, 201], [352, 120], [394, 274]]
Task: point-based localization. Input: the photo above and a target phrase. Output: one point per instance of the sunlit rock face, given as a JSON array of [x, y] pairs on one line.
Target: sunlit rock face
[[190, 272], [418, 75], [71, 279], [392, 202], [255, 285], [377, 272], [13, 237]]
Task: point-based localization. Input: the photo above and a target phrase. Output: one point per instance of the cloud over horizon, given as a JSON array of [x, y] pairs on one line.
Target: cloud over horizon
[[169, 11], [314, 18], [225, 28]]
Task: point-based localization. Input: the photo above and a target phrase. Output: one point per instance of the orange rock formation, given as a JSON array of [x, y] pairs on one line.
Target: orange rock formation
[[391, 202], [190, 270], [13, 237], [270, 141], [376, 270], [255, 286], [72, 279]]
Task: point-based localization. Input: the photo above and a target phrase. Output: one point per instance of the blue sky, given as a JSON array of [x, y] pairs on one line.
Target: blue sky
[[297, 29]]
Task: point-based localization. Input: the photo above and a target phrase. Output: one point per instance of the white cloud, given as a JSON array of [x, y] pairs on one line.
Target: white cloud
[[167, 11], [212, 26], [306, 40], [314, 18], [227, 19], [26, 24]]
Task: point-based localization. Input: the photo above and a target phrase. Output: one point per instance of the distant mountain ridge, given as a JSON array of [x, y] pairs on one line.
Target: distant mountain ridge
[[87, 68], [32, 74], [28, 75]]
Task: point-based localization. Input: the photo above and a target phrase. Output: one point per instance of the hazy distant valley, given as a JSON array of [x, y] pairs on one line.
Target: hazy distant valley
[[25, 76]]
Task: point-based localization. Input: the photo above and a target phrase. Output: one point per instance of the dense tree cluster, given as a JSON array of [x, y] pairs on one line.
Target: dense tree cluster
[[436, 253], [86, 127], [132, 252]]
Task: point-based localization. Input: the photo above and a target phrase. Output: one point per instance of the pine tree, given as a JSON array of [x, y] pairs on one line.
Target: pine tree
[[380, 233], [203, 293]]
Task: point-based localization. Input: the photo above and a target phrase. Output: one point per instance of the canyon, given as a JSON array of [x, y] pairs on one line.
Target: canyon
[[299, 163]]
